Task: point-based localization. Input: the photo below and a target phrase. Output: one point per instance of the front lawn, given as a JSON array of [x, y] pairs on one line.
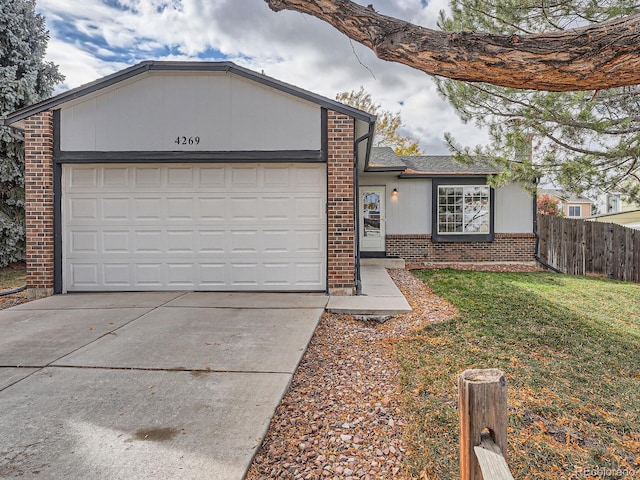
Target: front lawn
[[571, 349]]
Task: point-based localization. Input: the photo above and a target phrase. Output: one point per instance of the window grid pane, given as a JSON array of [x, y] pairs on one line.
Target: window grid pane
[[463, 209]]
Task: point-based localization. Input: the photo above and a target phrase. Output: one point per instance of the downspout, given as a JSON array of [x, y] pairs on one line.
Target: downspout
[[13, 290], [537, 235], [356, 203]]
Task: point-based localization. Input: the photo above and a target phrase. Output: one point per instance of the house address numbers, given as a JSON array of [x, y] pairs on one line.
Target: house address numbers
[[182, 140]]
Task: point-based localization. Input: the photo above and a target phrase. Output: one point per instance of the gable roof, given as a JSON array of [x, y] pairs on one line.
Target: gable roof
[[383, 159], [173, 66]]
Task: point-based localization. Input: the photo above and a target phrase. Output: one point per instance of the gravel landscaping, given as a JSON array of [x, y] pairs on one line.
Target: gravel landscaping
[[341, 415]]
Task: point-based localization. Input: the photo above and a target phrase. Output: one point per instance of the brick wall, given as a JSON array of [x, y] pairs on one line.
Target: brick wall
[[506, 247], [38, 185], [340, 198]]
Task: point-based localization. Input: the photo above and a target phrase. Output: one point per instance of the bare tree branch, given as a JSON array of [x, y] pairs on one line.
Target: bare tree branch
[[595, 57]]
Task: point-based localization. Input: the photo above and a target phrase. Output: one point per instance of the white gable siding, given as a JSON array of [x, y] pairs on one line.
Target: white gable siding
[[226, 112]]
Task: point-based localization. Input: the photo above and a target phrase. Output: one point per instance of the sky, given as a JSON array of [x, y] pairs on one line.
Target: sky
[[93, 38]]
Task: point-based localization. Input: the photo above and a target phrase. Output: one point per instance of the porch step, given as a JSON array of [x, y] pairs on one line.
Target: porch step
[[380, 297], [383, 262]]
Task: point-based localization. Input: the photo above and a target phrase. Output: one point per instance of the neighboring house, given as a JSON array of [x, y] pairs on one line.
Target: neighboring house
[[629, 218], [570, 205], [615, 203], [209, 176]]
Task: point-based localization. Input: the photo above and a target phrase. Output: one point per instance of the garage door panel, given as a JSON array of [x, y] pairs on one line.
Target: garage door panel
[[116, 209], [148, 209], [180, 275], [244, 274], [83, 209], [180, 177], [84, 178], [244, 209], [116, 178], [277, 241], [211, 177], [211, 209], [195, 227], [116, 241], [277, 177], [308, 209], [244, 177], [181, 241], [212, 275], [212, 241], [180, 208], [147, 241], [243, 242], [309, 241], [309, 273], [85, 275], [276, 209], [117, 274], [145, 177], [149, 274], [83, 242]]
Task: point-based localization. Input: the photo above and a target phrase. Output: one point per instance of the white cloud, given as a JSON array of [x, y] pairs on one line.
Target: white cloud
[[289, 46]]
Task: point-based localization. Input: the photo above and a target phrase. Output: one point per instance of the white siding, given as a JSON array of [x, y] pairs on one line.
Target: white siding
[[410, 211], [514, 210], [226, 112]]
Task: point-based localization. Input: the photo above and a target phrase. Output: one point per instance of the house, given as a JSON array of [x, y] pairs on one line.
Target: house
[[571, 206], [613, 202], [436, 210], [209, 176]]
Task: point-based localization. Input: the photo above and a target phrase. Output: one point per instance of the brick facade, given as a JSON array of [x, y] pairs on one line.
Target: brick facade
[[506, 247], [340, 204], [38, 185]]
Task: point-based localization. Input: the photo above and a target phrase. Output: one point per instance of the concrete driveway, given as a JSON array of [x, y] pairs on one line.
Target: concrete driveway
[[146, 385]]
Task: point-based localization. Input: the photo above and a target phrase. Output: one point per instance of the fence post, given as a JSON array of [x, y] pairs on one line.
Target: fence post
[[482, 408]]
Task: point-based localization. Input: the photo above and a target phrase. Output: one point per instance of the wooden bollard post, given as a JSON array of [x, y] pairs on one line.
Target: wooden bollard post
[[483, 418]]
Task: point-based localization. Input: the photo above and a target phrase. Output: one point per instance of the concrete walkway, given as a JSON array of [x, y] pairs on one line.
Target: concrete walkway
[[380, 297], [155, 385]]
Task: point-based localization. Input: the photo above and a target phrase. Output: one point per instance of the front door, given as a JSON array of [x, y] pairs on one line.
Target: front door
[[372, 219]]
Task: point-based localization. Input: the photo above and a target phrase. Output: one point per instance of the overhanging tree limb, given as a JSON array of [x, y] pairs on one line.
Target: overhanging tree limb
[[595, 57]]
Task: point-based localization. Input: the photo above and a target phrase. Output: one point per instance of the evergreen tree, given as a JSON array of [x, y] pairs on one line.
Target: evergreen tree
[[577, 140], [25, 78], [387, 123]]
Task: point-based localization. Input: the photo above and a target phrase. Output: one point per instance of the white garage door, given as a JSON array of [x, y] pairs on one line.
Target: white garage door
[[211, 227]]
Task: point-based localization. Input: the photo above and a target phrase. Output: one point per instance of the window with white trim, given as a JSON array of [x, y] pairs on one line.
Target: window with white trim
[[575, 210], [464, 210]]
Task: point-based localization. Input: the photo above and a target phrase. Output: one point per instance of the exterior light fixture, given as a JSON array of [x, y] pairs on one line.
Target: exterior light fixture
[[394, 193]]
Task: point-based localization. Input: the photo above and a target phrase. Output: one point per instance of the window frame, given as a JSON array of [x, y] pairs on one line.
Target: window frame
[[479, 181], [569, 207]]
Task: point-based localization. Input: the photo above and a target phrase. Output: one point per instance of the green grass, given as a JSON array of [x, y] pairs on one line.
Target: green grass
[[571, 349], [13, 276]]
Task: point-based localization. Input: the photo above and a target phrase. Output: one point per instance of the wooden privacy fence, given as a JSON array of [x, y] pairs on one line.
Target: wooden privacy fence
[[580, 247]]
